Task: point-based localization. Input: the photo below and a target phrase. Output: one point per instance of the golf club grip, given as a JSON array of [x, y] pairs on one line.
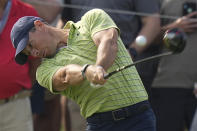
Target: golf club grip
[[106, 76]]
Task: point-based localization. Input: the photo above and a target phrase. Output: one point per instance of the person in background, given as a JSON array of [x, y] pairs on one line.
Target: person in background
[[173, 100], [47, 9], [16, 81], [49, 118], [194, 122]]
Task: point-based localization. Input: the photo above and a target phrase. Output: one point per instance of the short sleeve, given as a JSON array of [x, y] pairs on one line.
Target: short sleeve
[[44, 74], [97, 20]]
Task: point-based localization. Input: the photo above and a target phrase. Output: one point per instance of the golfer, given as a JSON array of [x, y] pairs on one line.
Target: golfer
[[78, 56]]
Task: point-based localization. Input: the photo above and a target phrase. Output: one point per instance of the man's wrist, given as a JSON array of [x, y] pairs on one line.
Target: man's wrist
[[133, 52], [84, 68]]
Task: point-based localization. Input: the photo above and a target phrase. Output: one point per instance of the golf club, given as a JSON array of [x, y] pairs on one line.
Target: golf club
[[174, 40]]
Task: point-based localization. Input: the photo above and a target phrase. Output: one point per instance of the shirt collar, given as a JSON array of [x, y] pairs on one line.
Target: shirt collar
[[69, 24]]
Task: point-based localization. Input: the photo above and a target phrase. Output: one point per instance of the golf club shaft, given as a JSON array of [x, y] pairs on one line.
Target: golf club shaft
[[137, 62]]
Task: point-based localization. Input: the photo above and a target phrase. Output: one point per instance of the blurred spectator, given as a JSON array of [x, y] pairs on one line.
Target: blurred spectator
[[130, 26], [49, 118], [16, 80], [194, 122], [173, 100], [47, 9], [37, 99]]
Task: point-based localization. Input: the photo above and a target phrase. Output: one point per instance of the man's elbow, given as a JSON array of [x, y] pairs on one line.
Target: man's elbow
[[157, 24], [153, 19], [154, 24]]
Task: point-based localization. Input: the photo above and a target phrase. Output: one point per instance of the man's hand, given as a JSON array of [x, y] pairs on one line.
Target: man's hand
[[95, 74], [186, 23], [65, 76]]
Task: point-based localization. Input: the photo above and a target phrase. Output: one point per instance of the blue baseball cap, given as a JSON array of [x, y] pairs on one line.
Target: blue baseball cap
[[20, 36]]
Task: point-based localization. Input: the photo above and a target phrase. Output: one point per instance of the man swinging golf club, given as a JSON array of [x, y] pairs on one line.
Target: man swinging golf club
[[81, 54]]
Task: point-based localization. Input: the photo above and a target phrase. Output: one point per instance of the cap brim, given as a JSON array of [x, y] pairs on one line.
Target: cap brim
[[21, 58]]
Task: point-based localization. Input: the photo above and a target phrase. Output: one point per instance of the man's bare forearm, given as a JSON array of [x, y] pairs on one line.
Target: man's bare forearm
[[107, 49], [151, 28], [106, 53]]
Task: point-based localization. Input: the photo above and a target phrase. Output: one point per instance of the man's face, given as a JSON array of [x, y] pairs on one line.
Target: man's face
[[41, 44]]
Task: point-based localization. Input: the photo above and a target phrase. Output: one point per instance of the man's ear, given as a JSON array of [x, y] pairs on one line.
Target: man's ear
[[38, 24]]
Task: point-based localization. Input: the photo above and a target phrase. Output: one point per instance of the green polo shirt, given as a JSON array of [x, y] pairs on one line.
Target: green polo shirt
[[122, 89]]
